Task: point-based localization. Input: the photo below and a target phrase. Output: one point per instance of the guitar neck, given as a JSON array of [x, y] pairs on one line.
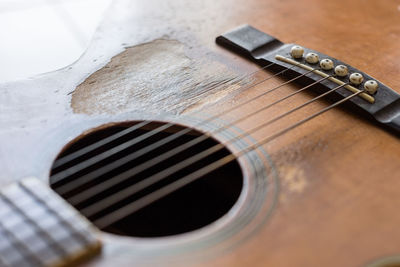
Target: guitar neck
[[38, 228]]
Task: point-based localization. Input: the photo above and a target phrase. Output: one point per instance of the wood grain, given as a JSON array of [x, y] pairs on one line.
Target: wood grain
[[339, 174]]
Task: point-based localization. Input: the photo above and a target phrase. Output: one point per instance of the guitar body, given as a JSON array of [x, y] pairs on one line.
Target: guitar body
[[330, 188]]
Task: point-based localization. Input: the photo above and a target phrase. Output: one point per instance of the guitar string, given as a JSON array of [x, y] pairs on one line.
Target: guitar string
[[84, 164], [65, 173], [132, 207], [83, 196], [296, 109], [76, 154], [100, 171], [148, 181]]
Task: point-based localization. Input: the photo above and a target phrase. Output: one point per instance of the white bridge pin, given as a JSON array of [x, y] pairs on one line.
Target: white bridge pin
[[326, 64], [312, 58], [356, 78], [371, 87], [297, 51], [341, 70]]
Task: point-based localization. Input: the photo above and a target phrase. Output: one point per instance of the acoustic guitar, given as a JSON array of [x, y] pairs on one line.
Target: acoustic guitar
[[210, 133]]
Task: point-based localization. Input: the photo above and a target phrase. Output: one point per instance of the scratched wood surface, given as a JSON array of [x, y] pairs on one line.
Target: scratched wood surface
[[338, 174]]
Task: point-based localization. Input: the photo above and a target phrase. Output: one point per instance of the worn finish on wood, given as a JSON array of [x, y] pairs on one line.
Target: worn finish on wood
[[338, 203], [153, 76]]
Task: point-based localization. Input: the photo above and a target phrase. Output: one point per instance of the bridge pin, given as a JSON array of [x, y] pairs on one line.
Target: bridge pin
[[341, 70], [297, 51], [326, 64], [371, 87], [312, 58], [356, 78]]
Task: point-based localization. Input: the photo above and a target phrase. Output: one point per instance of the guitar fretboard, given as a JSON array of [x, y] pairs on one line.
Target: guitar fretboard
[[38, 228]]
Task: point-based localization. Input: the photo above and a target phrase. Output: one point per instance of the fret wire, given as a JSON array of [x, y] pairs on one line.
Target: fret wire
[[150, 198], [56, 248], [19, 245], [85, 150], [64, 222], [84, 179], [85, 195], [126, 192]]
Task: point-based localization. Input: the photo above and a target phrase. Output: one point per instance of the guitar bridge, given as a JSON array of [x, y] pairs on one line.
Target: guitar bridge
[[374, 98]]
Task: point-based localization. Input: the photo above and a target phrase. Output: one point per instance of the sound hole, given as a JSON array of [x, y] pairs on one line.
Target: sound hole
[[191, 207]]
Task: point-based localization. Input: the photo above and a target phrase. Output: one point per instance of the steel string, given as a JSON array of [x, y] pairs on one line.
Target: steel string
[[66, 173], [82, 196], [76, 154], [132, 207], [113, 199]]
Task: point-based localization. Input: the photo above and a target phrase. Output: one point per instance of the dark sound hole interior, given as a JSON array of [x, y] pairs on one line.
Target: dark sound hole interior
[[191, 207]]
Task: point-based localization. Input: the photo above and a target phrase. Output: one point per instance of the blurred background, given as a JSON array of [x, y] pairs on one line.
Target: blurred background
[[38, 36]]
